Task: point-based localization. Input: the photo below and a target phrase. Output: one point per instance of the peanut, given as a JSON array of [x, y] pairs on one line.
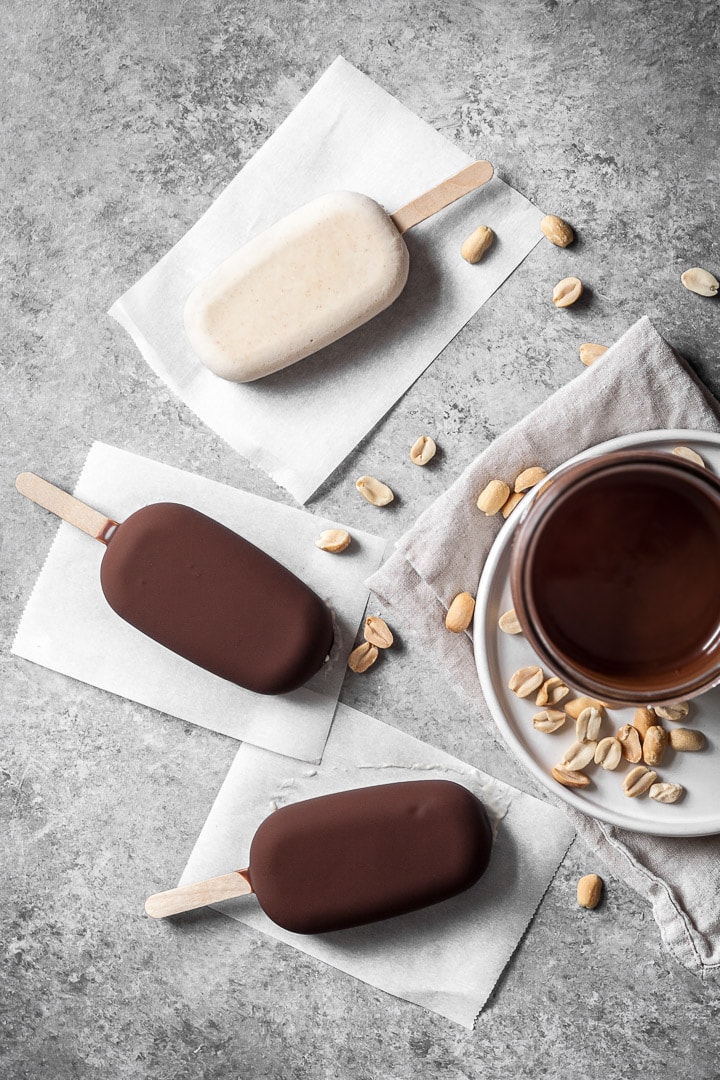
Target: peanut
[[608, 753], [683, 739], [509, 623], [567, 291], [493, 497], [557, 231], [675, 712], [576, 705], [654, 745], [666, 793], [511, 502], [587, 725], [526, 681], [334, 540], [568, 777], [529, 478], [460, 613], [638, 781], [551, 692], [549, 720], [423, 450], [374, 491], [629, 739], [689, 455], [377, 632], [579, 755], [477, 244], [589, 891], [700, 281], [589, 353], [644, 719], [363, 657]]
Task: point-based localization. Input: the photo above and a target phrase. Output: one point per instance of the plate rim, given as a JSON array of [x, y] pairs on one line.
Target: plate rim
[[480, 631]]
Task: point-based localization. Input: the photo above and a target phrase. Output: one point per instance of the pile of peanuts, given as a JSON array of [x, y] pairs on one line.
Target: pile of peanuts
[[642, 744]]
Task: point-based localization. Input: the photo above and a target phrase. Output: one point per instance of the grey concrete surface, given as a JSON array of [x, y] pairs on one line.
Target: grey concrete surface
[[121, 122]]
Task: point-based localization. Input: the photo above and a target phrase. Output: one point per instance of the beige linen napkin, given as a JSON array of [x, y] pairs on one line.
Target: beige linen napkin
[[640, 384]]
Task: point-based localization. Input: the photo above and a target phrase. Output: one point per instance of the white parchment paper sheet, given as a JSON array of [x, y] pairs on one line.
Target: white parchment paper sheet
[[446, 958], [68, 626], [347, 133]]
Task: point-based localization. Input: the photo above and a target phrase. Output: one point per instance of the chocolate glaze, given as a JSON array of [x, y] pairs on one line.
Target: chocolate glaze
[[201, 590], [616, 575], [358, 856]]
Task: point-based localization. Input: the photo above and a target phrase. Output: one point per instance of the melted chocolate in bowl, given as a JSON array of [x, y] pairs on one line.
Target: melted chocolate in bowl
[[616, 577]]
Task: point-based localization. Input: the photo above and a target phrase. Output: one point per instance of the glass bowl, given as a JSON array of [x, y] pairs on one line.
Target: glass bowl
[[615, 577]]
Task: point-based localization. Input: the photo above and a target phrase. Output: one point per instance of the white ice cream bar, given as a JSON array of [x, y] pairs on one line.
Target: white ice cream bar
[[311, 278]]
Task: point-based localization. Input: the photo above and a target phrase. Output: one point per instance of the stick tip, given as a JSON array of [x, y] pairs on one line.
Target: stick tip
[[22, 480], [151, 907]]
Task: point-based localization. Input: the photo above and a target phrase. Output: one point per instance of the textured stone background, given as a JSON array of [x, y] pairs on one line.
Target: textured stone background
[[121, 123]]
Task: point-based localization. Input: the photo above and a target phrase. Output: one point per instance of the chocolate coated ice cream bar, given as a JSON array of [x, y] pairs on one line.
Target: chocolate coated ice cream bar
[[201, 590], [354, 857]]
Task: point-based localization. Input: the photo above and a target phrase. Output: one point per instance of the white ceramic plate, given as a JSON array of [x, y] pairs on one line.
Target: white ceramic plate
[[498, 655]]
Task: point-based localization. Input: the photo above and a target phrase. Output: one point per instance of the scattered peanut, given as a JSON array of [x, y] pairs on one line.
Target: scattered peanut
[[579, 755], [374, 491], [511, 502], [569, 778], [363, 657], [526, 681], [509, 623], [460, 613], [700, 281], [567, 291], [589, 353], [642, 743], [666, 793], [629, 739], [638, 781], [529, 478], [589, 891], [685, 740], [654, 745], [576, 705], [557, 231], [644, 719], [552, 691], [608, 753], [587, 725], [689, 455], [334, 540], [477, 244], [377, 632], [549, 720], [675, 712], [423, 450], [493, 497]]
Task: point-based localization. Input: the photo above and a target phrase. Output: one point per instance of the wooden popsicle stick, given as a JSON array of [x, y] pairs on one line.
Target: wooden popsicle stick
[[198, 894], [468, 179], [65, 506]]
